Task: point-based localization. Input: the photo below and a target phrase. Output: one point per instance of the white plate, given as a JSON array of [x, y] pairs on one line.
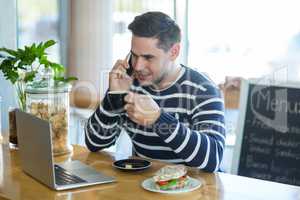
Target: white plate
[[191, 185]]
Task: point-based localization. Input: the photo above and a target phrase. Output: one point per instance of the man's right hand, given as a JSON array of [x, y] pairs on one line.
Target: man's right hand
[[118, 78]]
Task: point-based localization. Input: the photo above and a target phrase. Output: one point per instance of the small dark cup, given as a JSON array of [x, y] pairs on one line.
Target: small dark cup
[[117, 101]]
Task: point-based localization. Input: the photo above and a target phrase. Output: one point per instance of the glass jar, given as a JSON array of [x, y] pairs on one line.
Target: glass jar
[[51, 103]]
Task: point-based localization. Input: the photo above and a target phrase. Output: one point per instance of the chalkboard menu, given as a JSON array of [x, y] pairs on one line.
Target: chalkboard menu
[[270, 142]]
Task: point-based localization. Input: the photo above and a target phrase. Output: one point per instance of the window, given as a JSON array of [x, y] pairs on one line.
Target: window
[[243, 38], [37, 22], [124, 13]]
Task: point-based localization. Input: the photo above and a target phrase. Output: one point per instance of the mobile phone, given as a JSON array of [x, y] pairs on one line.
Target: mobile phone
[[129, 71]]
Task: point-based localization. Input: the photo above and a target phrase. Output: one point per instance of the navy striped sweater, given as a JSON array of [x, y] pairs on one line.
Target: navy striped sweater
[[190, 129]]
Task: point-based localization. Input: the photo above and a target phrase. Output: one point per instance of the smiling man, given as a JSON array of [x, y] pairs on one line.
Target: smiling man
[[172, 113]]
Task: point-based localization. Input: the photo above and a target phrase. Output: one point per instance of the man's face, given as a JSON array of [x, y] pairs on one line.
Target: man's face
[[151, 64]]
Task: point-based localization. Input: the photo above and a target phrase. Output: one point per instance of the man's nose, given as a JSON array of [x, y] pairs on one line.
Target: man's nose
[[139, 64]]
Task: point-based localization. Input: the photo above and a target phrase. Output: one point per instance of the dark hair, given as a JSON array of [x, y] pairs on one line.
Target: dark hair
[[156, 25]]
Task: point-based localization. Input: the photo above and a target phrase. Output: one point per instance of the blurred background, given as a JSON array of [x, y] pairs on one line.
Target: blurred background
[[223, 38], [229, 40]]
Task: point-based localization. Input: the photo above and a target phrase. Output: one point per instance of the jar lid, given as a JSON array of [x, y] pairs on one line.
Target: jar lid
[[43, 87]]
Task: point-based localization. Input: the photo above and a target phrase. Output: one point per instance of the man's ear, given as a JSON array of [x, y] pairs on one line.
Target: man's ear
[[174, 51]]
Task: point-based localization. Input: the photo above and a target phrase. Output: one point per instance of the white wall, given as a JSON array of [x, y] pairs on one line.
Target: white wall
[[8, 38]]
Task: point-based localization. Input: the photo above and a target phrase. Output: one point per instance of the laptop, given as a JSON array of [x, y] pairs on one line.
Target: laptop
[[35, 149]]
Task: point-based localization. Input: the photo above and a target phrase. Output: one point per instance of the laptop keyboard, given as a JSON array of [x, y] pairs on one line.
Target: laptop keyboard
[[63, 177]]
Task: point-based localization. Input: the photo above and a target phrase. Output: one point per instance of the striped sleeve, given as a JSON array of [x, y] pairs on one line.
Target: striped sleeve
[[102, 129], [202, 144]]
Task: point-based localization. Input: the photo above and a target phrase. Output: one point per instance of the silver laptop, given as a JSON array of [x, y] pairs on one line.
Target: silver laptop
[[35, 148]]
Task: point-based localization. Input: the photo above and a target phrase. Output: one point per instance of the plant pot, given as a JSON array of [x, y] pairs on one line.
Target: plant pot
[[21, 100]]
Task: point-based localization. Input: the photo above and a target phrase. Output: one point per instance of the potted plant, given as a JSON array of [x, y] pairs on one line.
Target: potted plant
[[21, 67]]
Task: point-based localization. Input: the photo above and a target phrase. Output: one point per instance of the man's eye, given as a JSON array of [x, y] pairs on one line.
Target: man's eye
[[148, 58], [133, 56]]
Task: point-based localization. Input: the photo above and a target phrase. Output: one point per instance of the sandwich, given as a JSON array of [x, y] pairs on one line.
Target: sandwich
[[171, 177]]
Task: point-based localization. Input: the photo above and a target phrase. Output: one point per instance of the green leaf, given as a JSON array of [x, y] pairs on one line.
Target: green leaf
[[65, 80], [57, 69], [59, 78], [9, 51], [40, 51], [21, 65], [27, 49], [29, 76], [40, 45], [71, 78], [49, 43], [7, 64], [43, 61], [20, 51], [22, 59], [33, 48], [12, 76]]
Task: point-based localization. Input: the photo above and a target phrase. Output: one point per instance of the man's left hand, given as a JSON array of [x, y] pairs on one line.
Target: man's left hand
[[141, 109]]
